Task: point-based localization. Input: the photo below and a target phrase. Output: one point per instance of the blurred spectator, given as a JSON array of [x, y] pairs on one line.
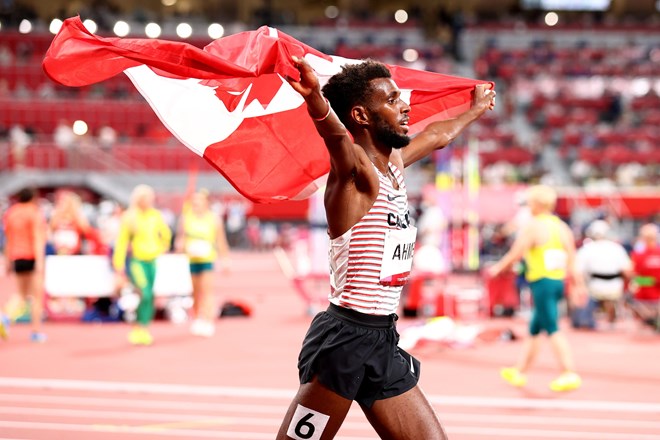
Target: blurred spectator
[[253, 232], [64, 136], [107, 137], [46, 91], [236, 222], [269, 236], [319, 241], [25, 232], [20, 141], [646, 272], [4, 88], [108, 222], [519, 222], [6, 56], [495, 242], [68, 225], [22, 91], [604, 264], [24, 51], [431, 229]]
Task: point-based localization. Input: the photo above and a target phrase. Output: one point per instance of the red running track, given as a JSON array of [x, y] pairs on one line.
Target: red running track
[[88, 383]]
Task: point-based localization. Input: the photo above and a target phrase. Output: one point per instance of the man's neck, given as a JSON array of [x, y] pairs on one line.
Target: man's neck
[[380, 157]]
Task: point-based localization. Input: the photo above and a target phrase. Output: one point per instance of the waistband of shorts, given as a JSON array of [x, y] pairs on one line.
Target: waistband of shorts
[[362, 319], [609, 276]]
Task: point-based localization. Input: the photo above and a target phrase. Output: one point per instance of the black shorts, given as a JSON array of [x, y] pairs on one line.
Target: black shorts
[[23, 266], [356, 356]]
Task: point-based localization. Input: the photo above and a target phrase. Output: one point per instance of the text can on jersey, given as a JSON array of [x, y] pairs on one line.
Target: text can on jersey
[[398, 256]]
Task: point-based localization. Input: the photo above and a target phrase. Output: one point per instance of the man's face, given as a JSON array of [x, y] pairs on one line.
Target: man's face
[[389, 114]]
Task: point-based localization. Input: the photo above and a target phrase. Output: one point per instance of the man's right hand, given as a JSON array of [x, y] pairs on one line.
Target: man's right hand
[[484, 97], [309, 88], [308, 83]]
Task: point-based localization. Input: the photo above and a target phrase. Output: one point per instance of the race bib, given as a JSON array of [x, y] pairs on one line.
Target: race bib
[[198, 248], [398, 256], [555, 259], [65, 238]]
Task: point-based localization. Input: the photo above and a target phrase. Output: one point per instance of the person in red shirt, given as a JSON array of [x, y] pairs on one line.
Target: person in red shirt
[[25, 232], [646, 276], [68, 225]]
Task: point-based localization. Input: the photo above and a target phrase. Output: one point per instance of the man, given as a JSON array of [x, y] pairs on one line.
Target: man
[[604, 263], [350, 350], [25, 249], [548, 247], [646, 270]]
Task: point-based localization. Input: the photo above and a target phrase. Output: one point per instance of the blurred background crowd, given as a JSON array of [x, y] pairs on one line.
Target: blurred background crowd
[[578, 86]]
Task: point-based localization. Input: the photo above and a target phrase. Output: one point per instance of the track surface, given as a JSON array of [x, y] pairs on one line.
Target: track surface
[[88, 383]]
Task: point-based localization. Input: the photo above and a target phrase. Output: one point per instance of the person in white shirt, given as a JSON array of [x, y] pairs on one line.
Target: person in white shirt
[[605, 264]]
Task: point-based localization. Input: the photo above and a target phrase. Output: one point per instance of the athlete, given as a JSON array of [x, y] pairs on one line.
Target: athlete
[[68, 225], [25, 232], [646, 283], [350, 351], [202, 237], [143, 236], [548, 247]]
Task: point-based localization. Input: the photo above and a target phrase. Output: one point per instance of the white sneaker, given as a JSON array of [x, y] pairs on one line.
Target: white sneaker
[[196, 327], [207, 329]]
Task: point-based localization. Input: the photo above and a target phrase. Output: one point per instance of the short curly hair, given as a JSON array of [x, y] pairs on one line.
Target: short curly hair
[[26, 195], [352, 86]]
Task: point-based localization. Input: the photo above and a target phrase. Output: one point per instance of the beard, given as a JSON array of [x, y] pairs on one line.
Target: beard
[[387, 135]]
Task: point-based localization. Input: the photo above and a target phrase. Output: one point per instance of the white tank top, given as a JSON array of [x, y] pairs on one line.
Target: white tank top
[[370, 263]]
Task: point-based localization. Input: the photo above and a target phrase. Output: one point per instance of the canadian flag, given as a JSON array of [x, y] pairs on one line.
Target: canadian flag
[[230, 103]]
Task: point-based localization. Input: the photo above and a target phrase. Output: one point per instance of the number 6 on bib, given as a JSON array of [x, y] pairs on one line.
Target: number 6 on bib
[[307, 424]]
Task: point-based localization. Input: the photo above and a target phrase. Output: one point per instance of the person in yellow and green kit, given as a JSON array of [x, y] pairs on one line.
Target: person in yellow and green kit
[[202, 237], [143, 236], [548, 246]]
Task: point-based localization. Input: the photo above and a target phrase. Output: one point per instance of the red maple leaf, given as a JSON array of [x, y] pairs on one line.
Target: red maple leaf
[[263, 90]]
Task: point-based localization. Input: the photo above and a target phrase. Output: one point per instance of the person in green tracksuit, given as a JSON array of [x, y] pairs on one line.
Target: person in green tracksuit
[[144, 236]]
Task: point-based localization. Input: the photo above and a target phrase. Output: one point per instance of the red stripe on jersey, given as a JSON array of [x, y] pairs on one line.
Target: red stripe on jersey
[[359, 287]]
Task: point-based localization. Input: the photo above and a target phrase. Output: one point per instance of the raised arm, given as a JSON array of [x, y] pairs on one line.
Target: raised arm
[[438, 135], [343, 158], [524, 241]]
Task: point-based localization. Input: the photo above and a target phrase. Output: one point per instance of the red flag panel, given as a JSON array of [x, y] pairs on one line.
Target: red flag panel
[[230, 104]]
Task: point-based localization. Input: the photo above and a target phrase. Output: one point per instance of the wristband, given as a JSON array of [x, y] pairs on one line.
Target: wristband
[[327, 114]]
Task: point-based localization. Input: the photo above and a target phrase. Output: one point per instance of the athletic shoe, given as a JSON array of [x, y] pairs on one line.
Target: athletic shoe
[[140, 336], [207, 329], [38, 337], [202, 328], [514, 377], [147, 339], [566, 382], [134, 336], [196, 327], [4, 327]]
